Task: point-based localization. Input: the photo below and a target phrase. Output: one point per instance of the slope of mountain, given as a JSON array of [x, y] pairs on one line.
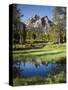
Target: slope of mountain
[[42, 23]]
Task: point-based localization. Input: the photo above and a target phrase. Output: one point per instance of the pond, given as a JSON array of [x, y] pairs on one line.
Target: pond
[[31, 69]]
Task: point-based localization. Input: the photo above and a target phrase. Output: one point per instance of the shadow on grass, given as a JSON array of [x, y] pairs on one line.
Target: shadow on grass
[[28, 48]]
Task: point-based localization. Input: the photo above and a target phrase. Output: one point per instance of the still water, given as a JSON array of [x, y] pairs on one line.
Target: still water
[[27, 69]]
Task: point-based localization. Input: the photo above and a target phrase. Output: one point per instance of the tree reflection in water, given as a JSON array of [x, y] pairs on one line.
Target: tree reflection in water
[[17, 68], [37, 67]]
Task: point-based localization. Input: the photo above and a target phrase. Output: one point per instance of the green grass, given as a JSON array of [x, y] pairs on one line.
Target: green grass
[[48, 47], [49, 52], [51, 79]]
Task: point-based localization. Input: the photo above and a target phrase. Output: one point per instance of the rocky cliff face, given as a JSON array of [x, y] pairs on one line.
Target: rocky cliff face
[[33, 22], [43, 23]]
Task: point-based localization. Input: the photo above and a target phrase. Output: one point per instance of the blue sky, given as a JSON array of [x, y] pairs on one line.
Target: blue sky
[[30, 10]]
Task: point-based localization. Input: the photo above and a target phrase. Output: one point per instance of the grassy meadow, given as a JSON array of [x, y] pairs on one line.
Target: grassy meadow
[[48, 52]]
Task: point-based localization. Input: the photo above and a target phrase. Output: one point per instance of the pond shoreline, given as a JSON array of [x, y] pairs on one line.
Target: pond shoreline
[[59, 76], [43, 56]]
